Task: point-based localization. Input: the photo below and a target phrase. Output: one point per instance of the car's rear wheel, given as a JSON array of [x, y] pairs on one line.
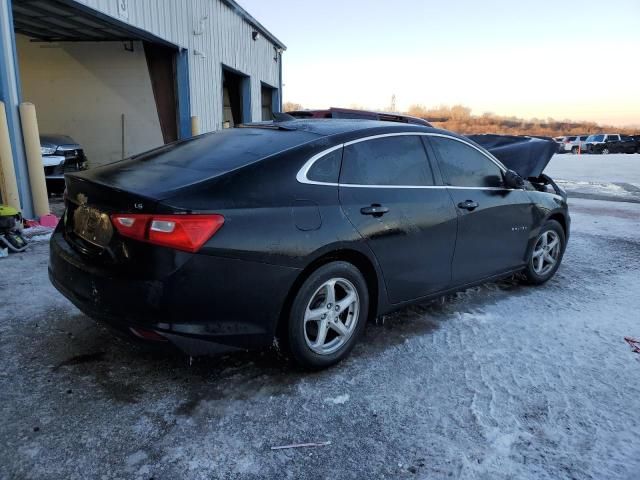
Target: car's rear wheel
[[546, 254], [328, 314], [574, 150]]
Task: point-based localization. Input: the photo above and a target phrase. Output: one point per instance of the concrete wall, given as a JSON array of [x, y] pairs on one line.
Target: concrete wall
[[82, 90]]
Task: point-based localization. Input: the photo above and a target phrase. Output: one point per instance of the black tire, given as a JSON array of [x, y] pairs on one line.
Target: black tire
[[297, 335], [605, 151], [574, 150], [534, 278]]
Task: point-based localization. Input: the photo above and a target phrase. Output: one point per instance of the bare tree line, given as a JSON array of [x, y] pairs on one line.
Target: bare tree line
[[459, 118]]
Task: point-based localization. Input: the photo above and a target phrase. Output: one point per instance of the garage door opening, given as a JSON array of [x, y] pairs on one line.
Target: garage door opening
[[236, 98], [99, 85], [268, 101]]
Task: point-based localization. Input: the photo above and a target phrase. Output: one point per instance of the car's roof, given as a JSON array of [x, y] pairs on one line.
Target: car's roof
[[333, 126]]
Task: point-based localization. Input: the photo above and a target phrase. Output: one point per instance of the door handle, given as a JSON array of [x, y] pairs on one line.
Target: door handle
[[375, 210], [468, 205]]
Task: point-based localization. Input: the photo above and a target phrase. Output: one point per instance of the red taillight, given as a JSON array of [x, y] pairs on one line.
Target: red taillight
[[182, 232], [131, 225]]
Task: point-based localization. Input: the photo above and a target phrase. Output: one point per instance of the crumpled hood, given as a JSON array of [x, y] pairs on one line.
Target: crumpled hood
[[528, 156]]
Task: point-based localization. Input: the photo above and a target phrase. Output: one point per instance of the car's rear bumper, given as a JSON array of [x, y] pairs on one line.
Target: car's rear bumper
[[207, 305]]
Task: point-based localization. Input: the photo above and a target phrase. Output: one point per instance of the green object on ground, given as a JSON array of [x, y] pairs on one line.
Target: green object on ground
[[7, 211]]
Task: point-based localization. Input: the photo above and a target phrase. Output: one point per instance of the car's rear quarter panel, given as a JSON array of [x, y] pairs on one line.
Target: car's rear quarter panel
[[271, 220]]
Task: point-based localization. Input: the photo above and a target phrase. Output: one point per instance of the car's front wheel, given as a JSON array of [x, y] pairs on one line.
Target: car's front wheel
[[546, 254], [328, 314], [605, 151]]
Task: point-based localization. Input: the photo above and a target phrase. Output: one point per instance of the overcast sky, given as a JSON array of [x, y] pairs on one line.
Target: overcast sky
[[578, 60]]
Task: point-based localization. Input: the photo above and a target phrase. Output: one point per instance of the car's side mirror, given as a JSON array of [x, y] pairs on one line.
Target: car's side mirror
[[513, 180]]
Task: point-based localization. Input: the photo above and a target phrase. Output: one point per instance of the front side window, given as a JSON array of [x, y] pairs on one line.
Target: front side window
[[400, 160], [464, 166]]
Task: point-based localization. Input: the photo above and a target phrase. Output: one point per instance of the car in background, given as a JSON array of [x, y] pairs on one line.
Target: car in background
[[560, 143], [571, 143], [575, 144], [602, 142], [348, 113], [60, 154], [613, 143], [301, 230], [627, 144]]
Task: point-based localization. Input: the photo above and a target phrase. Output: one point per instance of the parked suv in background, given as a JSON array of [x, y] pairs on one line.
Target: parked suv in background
[[60, 154], [614, 143], [627, 144], [573, 144], [602, 142]]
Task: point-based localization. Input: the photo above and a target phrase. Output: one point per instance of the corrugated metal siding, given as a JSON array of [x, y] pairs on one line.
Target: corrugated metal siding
[[226, 40]]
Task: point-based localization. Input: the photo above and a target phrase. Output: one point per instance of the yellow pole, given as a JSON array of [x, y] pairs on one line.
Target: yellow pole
[[31, 137], [195, 126], [8, 182]]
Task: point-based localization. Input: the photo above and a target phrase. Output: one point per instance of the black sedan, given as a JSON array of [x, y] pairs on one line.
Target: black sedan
[[60, 154], [301, 231]]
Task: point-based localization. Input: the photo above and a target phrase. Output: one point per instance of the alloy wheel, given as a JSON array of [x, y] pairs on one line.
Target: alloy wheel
[[331, 316], [546, 252], [605, 151]]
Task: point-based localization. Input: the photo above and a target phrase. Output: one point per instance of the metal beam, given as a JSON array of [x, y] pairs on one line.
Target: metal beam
[[64, 23], [183, 93], [10, 94]]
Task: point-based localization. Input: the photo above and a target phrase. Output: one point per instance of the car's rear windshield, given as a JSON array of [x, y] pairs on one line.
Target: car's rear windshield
[[179, 164], [228, 149]]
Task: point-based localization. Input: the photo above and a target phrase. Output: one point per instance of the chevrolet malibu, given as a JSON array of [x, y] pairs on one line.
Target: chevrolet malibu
[[302, 230]]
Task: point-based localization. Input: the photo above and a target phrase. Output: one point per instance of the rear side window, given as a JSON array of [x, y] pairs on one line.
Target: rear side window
[[327, 168], [571, 139], [583, 138], [398, 160], [464, 166]]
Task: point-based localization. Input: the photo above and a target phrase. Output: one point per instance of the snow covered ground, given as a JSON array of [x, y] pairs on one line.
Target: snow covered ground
[[498, 382], [598, 176]]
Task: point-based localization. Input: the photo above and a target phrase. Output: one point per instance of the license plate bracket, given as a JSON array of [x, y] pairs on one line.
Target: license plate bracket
[[92, 225]]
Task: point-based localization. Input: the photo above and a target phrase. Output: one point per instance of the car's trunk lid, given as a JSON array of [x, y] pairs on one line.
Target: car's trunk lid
[[528, 156]]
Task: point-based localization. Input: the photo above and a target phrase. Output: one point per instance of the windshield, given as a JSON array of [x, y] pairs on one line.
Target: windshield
[[595, 138]]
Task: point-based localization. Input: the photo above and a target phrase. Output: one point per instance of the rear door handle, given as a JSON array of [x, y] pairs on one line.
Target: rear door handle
[[468, 205], [376, 210]]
